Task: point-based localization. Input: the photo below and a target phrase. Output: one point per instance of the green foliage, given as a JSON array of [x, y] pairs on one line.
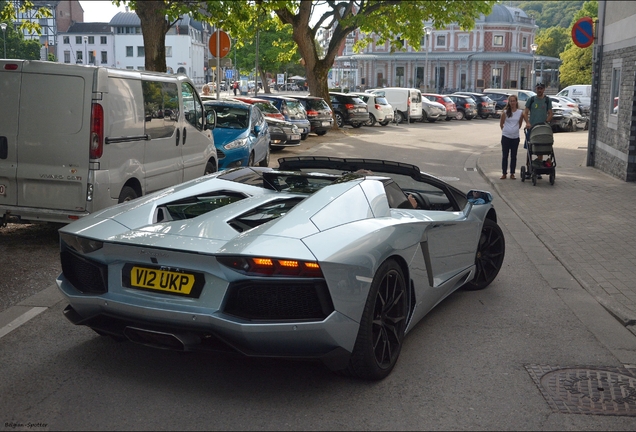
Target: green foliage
[[550, 13], [8, 13], [552, 41], [17, 47]]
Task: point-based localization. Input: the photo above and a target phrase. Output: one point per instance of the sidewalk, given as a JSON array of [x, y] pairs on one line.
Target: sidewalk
[[586, 219]]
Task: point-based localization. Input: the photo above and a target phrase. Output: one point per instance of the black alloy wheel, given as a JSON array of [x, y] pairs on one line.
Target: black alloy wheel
[[491, 250], [382, 327], [371, 121]]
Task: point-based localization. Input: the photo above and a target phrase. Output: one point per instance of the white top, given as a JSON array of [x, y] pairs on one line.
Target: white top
[[511, 125]]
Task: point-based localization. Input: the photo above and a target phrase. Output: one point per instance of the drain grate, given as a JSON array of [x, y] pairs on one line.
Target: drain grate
[[587, 390]]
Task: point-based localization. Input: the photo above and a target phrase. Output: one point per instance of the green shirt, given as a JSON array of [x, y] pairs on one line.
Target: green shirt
[[539, 108]]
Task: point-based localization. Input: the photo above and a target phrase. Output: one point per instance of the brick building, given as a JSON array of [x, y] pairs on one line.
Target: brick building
[[496, 53]]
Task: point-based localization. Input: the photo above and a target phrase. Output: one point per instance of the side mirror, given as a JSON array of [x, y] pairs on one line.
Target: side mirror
[[210, 118], [257, 129], [477, 197]]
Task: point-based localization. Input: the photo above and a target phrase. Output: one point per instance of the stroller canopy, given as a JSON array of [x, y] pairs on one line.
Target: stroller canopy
[[541, 134]]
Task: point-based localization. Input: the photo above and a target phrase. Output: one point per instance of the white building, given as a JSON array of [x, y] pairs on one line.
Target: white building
[[87, 43], [185, 46]]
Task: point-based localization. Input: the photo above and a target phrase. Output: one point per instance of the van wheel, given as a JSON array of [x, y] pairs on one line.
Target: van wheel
[[209, 168], [399, 117], [127, 194]]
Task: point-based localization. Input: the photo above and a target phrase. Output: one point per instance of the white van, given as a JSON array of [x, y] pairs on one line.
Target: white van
[[582, 92], [76, 139], [407, 102], [522, 95]]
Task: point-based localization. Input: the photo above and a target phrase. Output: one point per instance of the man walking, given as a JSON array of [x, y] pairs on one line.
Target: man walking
[[538, 110]]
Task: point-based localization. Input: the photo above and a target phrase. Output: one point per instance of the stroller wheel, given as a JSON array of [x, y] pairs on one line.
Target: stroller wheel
[[534, 179], [523, 173], [552, 175]]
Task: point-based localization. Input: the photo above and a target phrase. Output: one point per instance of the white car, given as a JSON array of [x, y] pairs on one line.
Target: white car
[[380, 110]]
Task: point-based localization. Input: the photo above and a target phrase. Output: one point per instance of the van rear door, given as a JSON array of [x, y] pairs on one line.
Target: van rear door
[[10, 82], [54, 136]]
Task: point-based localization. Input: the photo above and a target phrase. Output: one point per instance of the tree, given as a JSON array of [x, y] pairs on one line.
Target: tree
[[389, 20], [8, 13], [576, 66], [552, 41]]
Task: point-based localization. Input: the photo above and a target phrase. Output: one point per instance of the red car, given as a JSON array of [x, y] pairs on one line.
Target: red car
[[267, 108], [451, 109]]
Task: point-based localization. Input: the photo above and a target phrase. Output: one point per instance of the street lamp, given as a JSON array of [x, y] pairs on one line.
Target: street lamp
[[85, 50], [3, 26], [427, 31], [533, 47]]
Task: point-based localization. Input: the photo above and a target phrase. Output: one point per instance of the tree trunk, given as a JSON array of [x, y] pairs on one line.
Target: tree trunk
[[154, 27]]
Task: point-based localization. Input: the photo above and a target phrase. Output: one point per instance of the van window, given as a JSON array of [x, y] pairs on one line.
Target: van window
[[416, 97], [192, 107], [161, 102]]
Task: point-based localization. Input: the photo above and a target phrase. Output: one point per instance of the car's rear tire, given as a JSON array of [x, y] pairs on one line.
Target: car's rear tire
[[321, 133], [448, 118], [484, 116], [372, 120], [382, 326], [356, 124], [459, 115], [424, 117], [489, 257], [127, 194], [303, 137], [384, 123]]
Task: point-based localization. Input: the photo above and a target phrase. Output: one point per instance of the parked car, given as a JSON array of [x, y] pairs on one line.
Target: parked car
[[432, 111], [241, 135], [566, 119], [318, 112], [292, 110], [566, 102], [522, 95], [580, 92], [310, 260], [349, 109], [406, 102], [451, 109], [266, 106], [380, 110], [282, 133], [485, 105], [500, 99], [466, 106]]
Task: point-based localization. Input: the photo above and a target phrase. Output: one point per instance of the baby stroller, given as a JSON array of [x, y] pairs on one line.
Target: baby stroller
[[539, 141]]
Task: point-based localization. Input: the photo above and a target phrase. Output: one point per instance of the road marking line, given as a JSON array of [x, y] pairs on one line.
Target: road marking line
[[32, 313]]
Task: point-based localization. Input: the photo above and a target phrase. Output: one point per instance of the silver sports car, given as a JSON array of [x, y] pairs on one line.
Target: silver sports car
[[323, 258]]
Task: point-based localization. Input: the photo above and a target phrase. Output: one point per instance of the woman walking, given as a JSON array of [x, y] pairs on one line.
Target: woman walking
[[510, 123]]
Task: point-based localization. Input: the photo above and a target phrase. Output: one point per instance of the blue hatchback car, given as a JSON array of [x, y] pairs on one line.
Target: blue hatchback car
[[241, 135]]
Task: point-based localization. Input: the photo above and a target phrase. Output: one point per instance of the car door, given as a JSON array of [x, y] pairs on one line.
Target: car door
[[163, 164], [196, 142], [261, 137]]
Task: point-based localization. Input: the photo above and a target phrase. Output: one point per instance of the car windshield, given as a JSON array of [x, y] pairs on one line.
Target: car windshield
[[295, 108], [267, 107], [230, 116]]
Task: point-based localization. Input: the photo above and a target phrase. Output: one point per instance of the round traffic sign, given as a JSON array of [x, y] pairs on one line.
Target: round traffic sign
[[224, 43], [583, 32]]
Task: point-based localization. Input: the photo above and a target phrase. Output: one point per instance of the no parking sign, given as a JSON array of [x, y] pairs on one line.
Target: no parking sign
[[583, 32]]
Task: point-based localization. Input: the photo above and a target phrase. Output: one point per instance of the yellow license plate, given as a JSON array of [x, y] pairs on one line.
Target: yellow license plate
[[164, 280]]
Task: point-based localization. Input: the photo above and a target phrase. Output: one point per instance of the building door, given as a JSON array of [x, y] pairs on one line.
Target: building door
[[399, 76], [379, 79], [419, 77], [440, 74]]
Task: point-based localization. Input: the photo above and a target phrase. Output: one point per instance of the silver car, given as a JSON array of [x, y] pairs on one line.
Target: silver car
[[323, 258], [432, 111]]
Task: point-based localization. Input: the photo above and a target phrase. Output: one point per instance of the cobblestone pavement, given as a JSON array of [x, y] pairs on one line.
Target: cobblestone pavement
[[586, 220]]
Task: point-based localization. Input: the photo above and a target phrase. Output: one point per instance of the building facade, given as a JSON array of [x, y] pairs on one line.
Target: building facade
[[185, 46], [64, 13], [496, 53], [87, 43], [612, 136]]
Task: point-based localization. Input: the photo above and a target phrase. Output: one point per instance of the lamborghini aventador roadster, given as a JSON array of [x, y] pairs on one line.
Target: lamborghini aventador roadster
[[322, 258]]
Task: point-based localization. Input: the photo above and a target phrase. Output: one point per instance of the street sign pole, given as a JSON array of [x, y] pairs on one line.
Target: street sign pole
[[218, 64]]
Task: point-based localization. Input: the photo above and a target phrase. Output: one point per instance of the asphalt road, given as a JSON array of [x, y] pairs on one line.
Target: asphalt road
[[462, 367]]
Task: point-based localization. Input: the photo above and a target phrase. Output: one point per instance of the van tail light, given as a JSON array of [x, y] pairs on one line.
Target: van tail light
[[349, 106], [11, 66], [97, 131]]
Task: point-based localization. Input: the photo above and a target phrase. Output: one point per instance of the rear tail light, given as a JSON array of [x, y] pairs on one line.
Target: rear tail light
[[484, 104], [312, 113], [349, 106], [262, 266], [378, 107], [11, 66], [97, 131], [467, 105]]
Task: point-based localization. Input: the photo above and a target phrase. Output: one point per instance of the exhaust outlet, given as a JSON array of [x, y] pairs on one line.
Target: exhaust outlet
[[162, 340]]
